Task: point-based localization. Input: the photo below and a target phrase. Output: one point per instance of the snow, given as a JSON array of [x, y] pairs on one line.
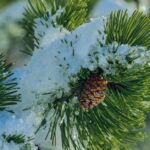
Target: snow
[[8, 146], [52, 73], [47, 31], [53, 65], [46, 75], [58, 60], [113, 54], [19, 122], [14, 124], [12, 146]]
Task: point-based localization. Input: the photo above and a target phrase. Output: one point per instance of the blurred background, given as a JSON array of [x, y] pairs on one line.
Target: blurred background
[[13, 35]]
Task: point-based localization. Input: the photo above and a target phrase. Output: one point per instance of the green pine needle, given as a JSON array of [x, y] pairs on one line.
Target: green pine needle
[[8, 86], [116, 123], [35, 9], [75, 13], [16, 138], [124, 29]]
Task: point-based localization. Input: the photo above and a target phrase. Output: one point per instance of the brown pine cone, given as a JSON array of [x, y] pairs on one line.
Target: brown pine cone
[[94, 91]]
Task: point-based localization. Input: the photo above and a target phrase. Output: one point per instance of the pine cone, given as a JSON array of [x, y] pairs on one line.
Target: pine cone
[[94, 90]]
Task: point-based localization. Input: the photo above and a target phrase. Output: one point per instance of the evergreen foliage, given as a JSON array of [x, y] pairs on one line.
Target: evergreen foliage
[[8, 86], [119, 120], [16, 138], [124, 29], [75, 13], [34, 10], [19, 139], [116, 123]]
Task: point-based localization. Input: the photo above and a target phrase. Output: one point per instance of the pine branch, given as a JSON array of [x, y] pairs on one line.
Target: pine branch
[[124, 29], [75, 13], [118, 120], [8, 86], [35, 9]]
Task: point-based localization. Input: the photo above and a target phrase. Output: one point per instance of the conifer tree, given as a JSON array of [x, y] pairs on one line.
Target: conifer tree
[[89, 79]]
